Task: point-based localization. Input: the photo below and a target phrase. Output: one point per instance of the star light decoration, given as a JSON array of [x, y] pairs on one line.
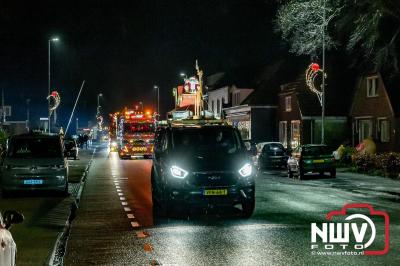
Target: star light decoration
[[55, 100], [311, 73]]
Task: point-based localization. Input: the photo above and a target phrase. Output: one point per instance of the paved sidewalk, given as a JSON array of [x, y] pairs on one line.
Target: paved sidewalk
[[101, 228]]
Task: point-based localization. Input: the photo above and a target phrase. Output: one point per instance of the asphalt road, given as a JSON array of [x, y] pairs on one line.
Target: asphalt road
[[114, 223]]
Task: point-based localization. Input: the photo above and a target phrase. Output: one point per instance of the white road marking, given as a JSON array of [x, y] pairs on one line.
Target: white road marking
[[124, 203], [119, 190], [135, 224], [120, 194], [122, 198], [127, 209], [117, 186], [130, 216]]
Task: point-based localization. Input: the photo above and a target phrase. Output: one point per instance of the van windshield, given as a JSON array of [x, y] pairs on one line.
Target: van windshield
[[219, 140], [35, 148]]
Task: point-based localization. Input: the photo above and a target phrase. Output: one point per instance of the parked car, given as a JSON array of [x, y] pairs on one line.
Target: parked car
[[34, 162], [273, 154], [314, 158], [71, 149], [201, 165], [8, 248]]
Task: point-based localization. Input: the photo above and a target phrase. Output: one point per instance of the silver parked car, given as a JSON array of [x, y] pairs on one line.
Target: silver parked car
[[34, 161], [8, 248]]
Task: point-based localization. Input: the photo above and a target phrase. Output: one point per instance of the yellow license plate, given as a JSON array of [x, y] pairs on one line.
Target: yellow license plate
[[215, 192], [319, 161]]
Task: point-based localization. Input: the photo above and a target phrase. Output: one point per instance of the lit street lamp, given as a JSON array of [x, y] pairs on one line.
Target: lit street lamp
[[54, 39], [183, 75], [158, 98]]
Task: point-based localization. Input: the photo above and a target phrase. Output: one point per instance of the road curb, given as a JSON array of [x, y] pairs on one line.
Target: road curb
[[56, 257]]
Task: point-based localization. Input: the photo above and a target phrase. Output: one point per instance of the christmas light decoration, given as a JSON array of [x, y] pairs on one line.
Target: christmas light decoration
[[311, 74], [54, 99]]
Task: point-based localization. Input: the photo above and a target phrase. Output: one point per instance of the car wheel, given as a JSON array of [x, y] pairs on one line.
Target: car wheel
[[290, 173], [248, 208], [155, 196], [300, 173], [333, 173], [65, 192], [166, 203]]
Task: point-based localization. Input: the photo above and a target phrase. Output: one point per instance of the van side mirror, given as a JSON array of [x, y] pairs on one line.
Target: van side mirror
[[12, 217]]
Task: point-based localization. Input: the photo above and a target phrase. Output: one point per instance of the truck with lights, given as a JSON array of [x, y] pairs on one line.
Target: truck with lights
[[132, 134]]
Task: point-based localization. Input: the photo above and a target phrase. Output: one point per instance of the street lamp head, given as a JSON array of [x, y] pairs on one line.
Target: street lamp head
[[155, 87], [182, 74], [54, 39], [100, 94]]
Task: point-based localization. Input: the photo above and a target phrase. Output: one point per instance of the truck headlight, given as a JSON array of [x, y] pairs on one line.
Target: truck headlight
[[178, 172], [246, 170]]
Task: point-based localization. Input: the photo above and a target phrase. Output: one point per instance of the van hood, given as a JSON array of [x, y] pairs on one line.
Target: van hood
[[209, 162]]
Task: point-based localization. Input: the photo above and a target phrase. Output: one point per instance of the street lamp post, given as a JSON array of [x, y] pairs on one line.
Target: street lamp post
[[98, 103], [27, 112], [158, 98], [54, 39]]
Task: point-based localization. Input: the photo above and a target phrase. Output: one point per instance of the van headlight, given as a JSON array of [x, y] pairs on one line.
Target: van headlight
[[178, 172], [246, 170]]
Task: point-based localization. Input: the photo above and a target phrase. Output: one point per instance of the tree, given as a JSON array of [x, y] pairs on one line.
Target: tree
[[302, 25], [372, 27], [368, 30]]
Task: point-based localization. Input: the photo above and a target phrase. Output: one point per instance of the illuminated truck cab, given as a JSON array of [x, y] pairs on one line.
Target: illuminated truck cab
[[135, 134]]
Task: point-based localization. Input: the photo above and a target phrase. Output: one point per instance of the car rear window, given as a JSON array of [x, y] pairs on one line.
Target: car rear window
[[35, 148], [273, 147], [316, 150], [220, 140]]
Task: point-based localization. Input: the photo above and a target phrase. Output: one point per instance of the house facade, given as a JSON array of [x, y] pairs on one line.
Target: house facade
[[374, 112], [226, 96], [254, 122], [299, 118]]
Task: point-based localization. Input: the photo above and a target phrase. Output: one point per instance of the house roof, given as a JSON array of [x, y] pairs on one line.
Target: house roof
[[241, 77], [392, 85], [269, 79], [340, 84]]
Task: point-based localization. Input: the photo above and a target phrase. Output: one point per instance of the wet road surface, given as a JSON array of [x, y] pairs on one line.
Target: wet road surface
[[114, 224]]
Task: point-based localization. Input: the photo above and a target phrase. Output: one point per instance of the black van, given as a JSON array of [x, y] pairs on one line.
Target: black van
[[201, 163]]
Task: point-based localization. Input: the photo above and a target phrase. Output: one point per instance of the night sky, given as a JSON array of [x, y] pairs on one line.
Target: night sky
[[123, 49]]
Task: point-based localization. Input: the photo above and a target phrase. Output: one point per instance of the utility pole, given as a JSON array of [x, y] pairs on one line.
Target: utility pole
[[323, 75], [27, 112], [54, 39], [77, 123]]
